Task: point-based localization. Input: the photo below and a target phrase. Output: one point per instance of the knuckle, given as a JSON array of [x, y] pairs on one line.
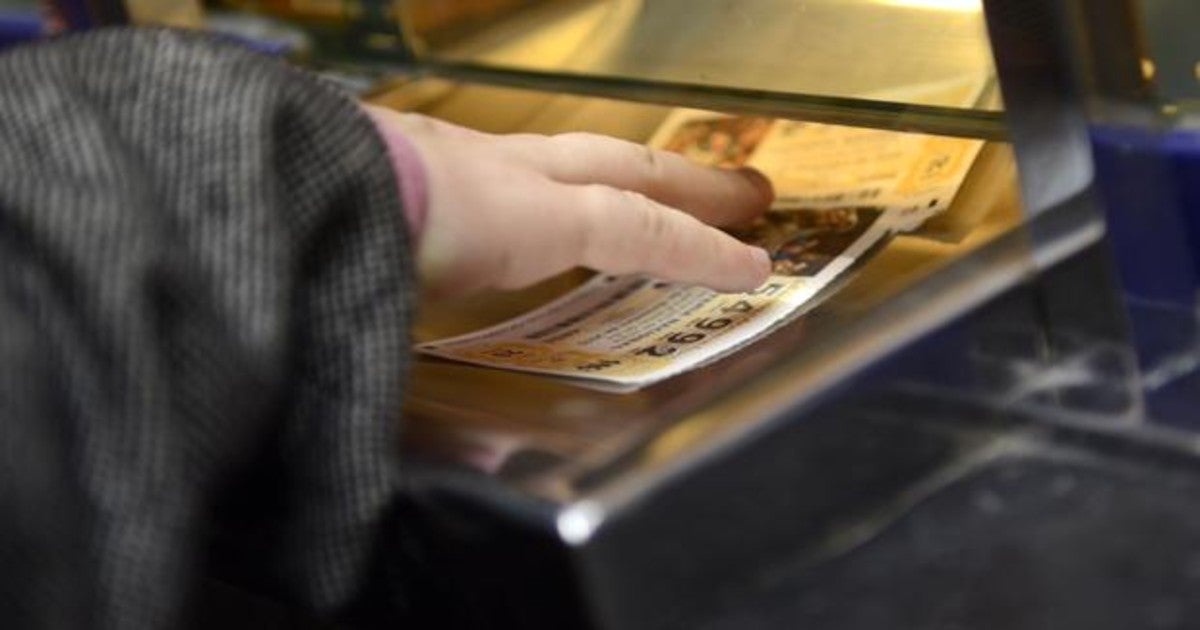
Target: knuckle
[[649, 159], [600, 199], [595, 206], [653, 221], [660, 233], [418, 124], [525, 137], [569, 151], [576, 137], [574, 143], [647, 166]]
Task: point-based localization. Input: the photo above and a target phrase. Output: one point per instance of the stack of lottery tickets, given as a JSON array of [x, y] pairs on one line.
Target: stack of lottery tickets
[[840, 193]]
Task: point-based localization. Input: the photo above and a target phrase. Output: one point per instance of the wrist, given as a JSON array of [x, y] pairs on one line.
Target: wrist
[[411, 175]]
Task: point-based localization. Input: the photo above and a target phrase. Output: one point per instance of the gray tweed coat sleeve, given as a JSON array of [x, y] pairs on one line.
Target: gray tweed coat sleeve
[[204, 296]]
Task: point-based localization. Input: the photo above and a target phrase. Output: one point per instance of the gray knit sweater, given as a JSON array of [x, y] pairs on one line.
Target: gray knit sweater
[[204, 296]]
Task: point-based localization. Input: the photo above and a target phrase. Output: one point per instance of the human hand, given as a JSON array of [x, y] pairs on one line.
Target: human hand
[[508, 211]]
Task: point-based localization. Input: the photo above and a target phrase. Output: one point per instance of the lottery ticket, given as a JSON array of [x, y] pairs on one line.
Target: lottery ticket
[[635, 330], [840, 192], [912, 176]]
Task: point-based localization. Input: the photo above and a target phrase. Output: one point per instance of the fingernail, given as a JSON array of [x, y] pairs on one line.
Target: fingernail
[[759, 181], [749, 274], [762, 265]]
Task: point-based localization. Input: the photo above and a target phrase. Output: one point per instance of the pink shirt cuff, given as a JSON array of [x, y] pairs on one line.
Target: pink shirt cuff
[[410, 175]]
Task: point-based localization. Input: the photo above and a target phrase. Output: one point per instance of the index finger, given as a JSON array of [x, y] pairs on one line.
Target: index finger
[[626, 232]]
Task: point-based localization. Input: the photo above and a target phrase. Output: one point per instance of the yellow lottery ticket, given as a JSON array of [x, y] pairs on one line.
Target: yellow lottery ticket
[[910, 176]]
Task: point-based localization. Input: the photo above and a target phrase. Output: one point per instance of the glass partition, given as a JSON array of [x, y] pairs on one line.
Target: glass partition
[[899, 64], [893, 63], [838, 48]]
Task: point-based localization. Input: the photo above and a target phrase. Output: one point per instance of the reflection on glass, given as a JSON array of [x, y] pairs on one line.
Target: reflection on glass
[[873, 49]]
